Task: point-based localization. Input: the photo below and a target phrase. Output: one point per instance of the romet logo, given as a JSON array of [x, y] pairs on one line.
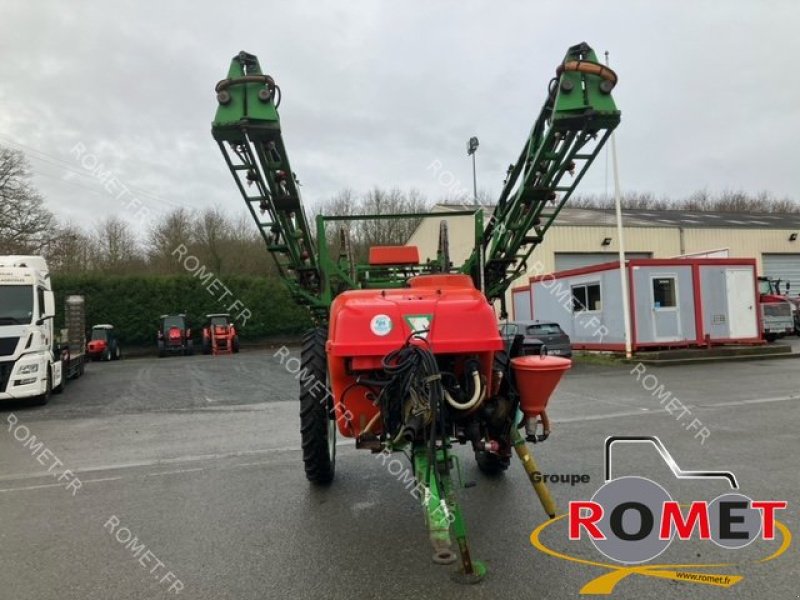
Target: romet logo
[[632, 520]]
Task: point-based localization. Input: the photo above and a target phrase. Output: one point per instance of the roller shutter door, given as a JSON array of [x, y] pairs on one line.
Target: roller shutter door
[[785, 267]]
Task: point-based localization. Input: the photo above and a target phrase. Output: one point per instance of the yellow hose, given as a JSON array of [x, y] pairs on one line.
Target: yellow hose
[[530, 466]]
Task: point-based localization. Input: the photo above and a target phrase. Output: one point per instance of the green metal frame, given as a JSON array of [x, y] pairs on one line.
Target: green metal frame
[[247, 130], [341, 272], [442, 513], [577, 118]]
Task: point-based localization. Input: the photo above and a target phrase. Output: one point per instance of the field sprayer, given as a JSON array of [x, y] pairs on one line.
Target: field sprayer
[[409, 351]]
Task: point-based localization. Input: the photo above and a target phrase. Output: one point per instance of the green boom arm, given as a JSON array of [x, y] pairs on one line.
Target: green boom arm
[[247, 129], [577, 118]]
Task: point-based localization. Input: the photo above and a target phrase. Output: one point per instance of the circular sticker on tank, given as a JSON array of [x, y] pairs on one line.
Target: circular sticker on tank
[[381, 325]]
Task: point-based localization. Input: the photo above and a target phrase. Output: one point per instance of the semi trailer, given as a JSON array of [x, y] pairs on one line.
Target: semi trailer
[[72, 338], [32, 363]]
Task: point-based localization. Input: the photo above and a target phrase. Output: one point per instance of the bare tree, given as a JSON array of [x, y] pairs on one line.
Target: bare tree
[[344, 204], [116, 248], [165, 236], [70, 250], [25, 224], [701, 200], [390, 231], [245, 251], [212, 231]]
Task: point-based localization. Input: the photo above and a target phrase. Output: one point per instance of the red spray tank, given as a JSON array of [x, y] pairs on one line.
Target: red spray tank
[[450, 315]]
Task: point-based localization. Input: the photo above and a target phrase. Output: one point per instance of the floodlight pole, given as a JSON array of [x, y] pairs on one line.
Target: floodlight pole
[[472, 147], [474, 180], [623, 269]]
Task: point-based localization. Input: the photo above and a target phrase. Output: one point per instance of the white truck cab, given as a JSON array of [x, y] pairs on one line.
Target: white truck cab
[[29, 367]]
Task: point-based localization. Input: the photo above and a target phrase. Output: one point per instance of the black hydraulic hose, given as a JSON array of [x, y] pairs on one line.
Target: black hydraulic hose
[[414, 366]]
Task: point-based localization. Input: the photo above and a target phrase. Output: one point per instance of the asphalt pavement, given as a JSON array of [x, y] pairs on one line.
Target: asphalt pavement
[[191, 485]]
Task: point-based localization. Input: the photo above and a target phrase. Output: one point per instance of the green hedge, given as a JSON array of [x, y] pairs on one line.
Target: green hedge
[[133, 304]]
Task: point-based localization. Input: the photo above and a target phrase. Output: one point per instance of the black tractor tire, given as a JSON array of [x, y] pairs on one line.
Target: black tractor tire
[[162, 351], [235, 344], [207, 347], [492, 464], [117, 353], [45, 398], [770, 337], [106, 355], [317, 426], [488, 463], [189, 348]]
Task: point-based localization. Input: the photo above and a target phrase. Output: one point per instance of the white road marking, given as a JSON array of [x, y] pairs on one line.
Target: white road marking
[[341, 443], [751, 401], [636, 413], [644, 410], [165, 461], [175, 472], [61, 485], [251, 464]]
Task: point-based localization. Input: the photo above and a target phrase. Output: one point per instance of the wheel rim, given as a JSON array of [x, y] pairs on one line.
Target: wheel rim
[[332, 439], [331, 423]]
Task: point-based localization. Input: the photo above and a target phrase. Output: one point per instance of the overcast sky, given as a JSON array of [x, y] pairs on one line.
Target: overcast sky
[[374, 91]]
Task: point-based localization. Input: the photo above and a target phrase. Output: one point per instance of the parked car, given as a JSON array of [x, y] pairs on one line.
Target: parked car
[[103, 343], [174, 335], [219, 334], [537, 334]]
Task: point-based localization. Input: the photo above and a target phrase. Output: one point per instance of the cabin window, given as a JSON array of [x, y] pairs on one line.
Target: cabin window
[[40, 298], [664, 295], [586, 297]]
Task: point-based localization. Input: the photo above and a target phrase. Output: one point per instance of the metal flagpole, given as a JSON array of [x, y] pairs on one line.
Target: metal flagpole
[[623, 269]]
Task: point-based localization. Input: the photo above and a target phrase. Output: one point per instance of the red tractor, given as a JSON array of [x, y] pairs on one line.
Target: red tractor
[[103, 344], [174, 336], [219, 335], [778, 313]]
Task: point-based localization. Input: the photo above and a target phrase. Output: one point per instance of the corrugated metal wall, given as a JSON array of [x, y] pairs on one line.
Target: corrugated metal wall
[[657, 242], [575, 260]]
